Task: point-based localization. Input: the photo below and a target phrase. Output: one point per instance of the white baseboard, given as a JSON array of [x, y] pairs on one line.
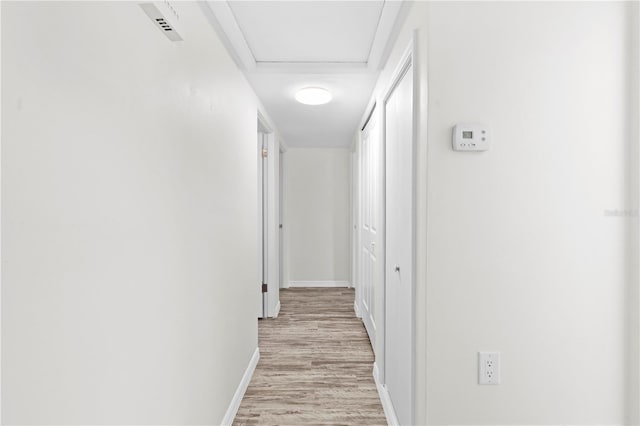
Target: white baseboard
[[387, 406], [356, 309], [230, 415], [277, 312], [293, 284]]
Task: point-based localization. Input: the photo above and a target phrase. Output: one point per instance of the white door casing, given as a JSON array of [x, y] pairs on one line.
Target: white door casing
[[269, 221], [354, 229], [371, 261], [281, 220], [399, 238], [273, 225], [262, 225]]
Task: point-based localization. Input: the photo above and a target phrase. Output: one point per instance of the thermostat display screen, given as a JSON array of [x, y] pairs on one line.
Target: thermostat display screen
[[467, 135]]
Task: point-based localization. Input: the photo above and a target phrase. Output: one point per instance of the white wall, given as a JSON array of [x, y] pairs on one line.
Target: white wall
[[633, 234], [515, 251], [317, 214], [129, 217]]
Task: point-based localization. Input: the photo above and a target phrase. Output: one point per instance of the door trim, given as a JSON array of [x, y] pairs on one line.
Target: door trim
[[272, 221], [407, 60], [273, 225], [260, 277]]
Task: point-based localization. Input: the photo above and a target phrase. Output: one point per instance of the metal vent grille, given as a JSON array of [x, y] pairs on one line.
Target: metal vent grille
[[163, 24], [160, 21]]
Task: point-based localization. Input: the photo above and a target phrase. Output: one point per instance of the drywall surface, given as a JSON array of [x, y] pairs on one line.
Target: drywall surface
[[317, 213], [522, 249], [524, 257], [633, 234], [129, 217]]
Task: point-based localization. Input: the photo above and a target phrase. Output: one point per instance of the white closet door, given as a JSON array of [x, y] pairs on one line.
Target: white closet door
[[399, 248], [370, 244]]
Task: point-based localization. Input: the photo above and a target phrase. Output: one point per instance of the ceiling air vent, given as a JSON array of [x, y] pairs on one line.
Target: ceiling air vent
[[160, 21]]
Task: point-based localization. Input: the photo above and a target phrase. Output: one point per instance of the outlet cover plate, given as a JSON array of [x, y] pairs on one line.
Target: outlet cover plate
[[488, 368]]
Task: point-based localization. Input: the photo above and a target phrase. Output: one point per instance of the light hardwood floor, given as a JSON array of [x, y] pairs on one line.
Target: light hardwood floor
[[315, 364]]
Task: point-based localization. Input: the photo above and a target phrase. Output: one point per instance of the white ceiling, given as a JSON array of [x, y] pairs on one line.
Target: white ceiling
[[308, 31], [283, 46], [330, 125]]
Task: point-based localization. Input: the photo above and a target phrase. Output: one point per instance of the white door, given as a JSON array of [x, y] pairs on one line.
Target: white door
[[399, 247], [269, 224], [370, 244], [263, 225]]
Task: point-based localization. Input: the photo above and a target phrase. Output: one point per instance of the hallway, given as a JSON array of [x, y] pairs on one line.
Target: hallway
[[463, 175], [315, 364]]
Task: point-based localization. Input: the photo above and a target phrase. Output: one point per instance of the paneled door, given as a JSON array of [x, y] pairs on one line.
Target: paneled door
[[370, 244], [399, 247]]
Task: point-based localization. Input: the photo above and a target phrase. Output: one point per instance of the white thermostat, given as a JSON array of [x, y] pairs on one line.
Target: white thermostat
[[470, 137]]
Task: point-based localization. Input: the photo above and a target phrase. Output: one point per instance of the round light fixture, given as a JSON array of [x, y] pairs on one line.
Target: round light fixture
[[313, 96]]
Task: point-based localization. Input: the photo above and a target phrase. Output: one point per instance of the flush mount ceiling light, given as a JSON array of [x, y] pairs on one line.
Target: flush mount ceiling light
[[313, 96]]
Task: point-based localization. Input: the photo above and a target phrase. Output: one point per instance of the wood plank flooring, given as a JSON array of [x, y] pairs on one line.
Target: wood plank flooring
[[315, 364]]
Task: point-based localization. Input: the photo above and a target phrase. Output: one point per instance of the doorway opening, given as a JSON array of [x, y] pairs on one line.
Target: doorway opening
[[269, 220]]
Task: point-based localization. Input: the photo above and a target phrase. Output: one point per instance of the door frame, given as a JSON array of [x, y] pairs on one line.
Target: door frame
[[407, 61], [271, 299], [355, 194], [282, 229]]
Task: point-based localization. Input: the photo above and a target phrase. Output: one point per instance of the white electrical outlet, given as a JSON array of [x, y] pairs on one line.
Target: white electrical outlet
[[488, 368]]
